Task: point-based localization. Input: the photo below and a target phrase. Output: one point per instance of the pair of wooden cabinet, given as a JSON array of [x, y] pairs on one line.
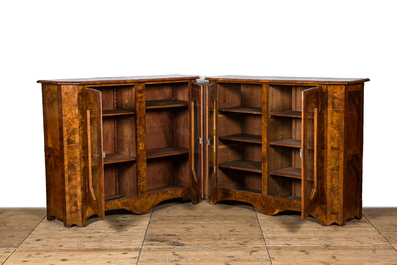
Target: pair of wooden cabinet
[[130, 143]]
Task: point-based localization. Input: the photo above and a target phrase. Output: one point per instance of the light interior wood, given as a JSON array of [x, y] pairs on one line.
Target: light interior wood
[[167, 136], [239, 131], [119, 141], [284, 137]]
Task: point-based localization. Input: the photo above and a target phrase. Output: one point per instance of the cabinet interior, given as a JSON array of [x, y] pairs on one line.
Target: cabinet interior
[[239, 129], [167, 136], [285, 141], [119, 141]]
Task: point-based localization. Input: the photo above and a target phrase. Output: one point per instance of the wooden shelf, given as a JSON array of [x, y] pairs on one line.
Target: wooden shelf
[[245, 110], [244, 165], [167, 151], [288, 172], [291, 143], [116, 112], [165, 189], [249, 190], [287, 143], [166, 103], [113, 197], [290, 114], [245, 138], [117, 158]]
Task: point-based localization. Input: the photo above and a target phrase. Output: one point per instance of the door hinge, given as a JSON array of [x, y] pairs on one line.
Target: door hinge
[[301, 153], [103, 154], [209, 141], [200, 140]]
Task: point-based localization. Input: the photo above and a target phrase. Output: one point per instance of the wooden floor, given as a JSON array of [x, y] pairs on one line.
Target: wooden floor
[[177, 232]]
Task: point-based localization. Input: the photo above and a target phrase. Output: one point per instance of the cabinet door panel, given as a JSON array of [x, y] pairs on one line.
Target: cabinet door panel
[[196, 126], [210, 136], [309, 151], [95, 179]]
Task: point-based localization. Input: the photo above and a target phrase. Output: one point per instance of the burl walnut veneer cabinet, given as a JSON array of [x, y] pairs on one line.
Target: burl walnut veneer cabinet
[[278, 143]]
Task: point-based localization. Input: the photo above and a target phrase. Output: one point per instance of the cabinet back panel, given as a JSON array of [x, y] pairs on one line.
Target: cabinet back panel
[[182, 172], [252, 152], [280, 98], [110, 180], [167, 91], [126, 135], [182, 128], [125, 98], [229, 178], [107, 97], [159, 128], [228, 125], [279, 129], [279, 157], [252, 124], [127, 180], [229, 95], [160, 173], [279, 186], [108, 125], [251, 95]]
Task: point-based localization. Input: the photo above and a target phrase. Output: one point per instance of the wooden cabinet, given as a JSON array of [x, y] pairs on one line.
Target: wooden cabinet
[[276, 143]]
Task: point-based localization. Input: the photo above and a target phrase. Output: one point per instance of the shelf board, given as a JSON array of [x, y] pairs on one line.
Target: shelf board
[[291, 143], [290, 114], [245, 138], [165, 189], [287, 143], [245, 110], [117, 158], [165, 103], [116, 112], [113, 197], [249, 190], [244, 165], [288, 172], [167, 151]]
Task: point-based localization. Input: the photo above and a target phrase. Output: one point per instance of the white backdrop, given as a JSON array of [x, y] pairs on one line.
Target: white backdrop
[[70, 39]]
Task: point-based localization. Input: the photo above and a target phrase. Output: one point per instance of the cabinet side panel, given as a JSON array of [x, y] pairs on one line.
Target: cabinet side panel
[[71, 146], [335, 150], [55, 182], [353, 150]]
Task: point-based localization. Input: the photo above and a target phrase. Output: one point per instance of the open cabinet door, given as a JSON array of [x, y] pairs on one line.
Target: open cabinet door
[[310, 151], [95, 184], [196, 126], [210, 136]]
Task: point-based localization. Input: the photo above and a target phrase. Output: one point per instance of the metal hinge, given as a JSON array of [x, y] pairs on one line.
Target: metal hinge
[[209, 141], [200, 140], [98, 156], [301, 153]]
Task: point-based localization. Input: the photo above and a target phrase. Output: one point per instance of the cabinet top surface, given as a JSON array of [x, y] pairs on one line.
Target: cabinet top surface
[[283, 79], [121, 79]]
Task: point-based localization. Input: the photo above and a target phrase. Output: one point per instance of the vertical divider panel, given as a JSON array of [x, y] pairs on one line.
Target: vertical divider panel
[[264, 138], [141, 139]]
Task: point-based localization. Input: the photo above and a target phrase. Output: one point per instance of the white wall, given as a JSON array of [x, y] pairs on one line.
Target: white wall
[[70, 39]]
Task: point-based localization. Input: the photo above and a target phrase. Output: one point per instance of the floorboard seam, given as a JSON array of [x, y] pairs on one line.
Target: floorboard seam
[[380, 233], [260, 227], [143, 241], [24, 239]]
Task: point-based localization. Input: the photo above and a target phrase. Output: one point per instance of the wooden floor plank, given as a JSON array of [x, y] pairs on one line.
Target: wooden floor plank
[[204, 255], [184, 224], [17, 223], [75, 256], [184, 211], [289, 230], [332, 255], [4, 254], [385, 221], [118, 230]]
